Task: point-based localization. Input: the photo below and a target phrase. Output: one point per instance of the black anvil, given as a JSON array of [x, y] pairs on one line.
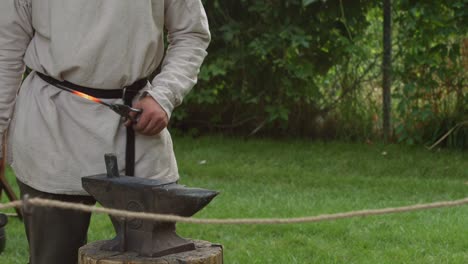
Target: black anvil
[[145, 237]]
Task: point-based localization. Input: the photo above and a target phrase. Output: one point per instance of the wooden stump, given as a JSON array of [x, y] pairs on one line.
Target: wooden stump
[[205, 253]]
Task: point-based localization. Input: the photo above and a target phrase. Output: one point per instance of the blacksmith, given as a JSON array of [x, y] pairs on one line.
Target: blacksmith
[[103, 47]]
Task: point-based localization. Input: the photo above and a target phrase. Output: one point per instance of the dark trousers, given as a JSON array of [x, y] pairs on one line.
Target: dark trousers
[[55, 235]]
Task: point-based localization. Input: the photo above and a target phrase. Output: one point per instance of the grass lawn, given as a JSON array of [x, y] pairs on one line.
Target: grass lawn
[[267, 178]]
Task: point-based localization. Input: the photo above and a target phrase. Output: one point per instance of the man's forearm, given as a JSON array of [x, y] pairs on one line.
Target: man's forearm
[[189, 37]]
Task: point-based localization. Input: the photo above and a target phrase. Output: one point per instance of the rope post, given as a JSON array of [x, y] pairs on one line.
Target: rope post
[[26, 206]]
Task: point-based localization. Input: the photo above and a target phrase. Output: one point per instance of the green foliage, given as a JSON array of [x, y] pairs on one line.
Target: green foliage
[[431, 79], [312, 68], [265, 59]]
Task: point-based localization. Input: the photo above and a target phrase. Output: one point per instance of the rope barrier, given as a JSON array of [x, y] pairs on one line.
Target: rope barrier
[[246, 221]]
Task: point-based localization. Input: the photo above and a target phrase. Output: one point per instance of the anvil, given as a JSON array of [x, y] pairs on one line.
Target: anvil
[[145, 237]]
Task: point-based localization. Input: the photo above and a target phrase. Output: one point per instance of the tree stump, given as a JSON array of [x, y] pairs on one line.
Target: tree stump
[[204, 253]]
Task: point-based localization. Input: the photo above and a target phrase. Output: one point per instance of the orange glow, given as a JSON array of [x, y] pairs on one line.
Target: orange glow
[[85, 96]]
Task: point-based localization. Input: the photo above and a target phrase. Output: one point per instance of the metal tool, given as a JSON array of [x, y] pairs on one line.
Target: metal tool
[[120, 109]]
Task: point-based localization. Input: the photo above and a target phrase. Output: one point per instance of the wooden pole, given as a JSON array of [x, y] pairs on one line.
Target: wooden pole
[[205, 253], [4, 185]]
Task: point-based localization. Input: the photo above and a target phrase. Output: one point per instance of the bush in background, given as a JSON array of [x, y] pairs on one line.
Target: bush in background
[[266, 65], [313, 69]]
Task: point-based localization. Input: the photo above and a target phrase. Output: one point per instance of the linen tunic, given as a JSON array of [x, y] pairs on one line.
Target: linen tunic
[[55, 137]]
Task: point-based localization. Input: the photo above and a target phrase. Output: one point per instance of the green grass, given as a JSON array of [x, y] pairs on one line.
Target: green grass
[[266, 178]]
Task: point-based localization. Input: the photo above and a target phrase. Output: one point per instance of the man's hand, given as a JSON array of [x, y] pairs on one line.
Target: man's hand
[[152, 120]]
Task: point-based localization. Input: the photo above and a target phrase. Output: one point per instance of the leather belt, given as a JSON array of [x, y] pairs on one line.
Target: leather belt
[[128, 93]]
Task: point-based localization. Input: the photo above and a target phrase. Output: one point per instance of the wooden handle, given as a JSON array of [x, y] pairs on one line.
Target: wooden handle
[[4, 154], [3, 182]]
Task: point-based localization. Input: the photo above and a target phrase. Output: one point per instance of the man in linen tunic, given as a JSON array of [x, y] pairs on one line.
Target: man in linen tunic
[[55, 137]]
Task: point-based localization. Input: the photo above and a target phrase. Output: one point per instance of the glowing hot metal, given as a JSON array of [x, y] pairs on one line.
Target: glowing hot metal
[[89, 97], [121, 109]]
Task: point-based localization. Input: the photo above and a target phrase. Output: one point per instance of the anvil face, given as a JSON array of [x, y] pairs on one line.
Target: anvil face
[[148, 238]]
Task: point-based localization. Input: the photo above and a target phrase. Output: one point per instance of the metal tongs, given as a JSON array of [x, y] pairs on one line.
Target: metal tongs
[[121, 109], [124, 111]]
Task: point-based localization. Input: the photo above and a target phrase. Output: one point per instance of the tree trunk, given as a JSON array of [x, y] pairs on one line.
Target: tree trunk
[[387, 69]]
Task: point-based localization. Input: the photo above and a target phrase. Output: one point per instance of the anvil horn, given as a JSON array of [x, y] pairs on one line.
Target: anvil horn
[[180, 200]]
